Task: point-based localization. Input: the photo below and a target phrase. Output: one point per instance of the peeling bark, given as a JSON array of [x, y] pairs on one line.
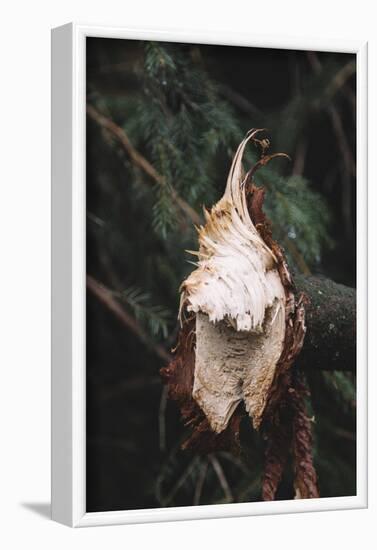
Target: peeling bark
[[277, 450], [242, 295], [179, 375], [289, 436], [247, 326], [305, 477]]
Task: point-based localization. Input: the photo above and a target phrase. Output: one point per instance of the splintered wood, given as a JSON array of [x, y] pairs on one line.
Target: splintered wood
[[233, 366], [239, 301], [242, 328]]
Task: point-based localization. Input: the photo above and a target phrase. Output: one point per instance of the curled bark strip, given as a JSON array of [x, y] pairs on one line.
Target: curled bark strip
[[238, 297], [278, 443], [290, 434], [263, 161], [305, 477], [295, 328], [286, 426], [179, 375], [294, 339]]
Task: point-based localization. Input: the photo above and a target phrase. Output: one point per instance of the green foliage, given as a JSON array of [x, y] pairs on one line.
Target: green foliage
[[343, 386], [182, 125], [171, 107], [333, 399], [164, 212], [301, 215], [154, 316]]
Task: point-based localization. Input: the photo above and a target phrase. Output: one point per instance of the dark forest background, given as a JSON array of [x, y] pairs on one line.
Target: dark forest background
[[164, 121]]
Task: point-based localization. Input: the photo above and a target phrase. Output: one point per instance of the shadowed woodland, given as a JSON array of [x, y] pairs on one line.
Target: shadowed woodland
[[163, 124]]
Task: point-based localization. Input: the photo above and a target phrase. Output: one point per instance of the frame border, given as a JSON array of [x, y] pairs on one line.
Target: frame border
[[68, 453]]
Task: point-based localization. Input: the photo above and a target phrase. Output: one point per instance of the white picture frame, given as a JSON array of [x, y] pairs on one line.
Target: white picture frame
[[68, 278]]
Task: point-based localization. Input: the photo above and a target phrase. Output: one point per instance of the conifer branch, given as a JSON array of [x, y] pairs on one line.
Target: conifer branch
[[140, 161], [105, 296]]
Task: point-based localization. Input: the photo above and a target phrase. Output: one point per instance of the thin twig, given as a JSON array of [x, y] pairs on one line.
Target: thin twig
[[299, 158], [140, 161], [241, 102], [350, 96], [105, 296], [343, 144], [234, 460], [249, 489], [200, 483], [338, 83], [340, 78], [221, 476], [187, 472], [349, 169], [344, 434]]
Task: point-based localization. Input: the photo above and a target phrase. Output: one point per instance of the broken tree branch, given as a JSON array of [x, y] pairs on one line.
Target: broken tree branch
[[200, 483], [330, 342], [241, 102]]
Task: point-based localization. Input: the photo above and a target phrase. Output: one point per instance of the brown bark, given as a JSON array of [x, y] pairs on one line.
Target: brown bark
[[278, 443], [179, 375], [330, 341], [305, 476]]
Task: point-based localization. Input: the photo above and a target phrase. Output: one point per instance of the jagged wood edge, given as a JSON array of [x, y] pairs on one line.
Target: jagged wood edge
[[179, 374]]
